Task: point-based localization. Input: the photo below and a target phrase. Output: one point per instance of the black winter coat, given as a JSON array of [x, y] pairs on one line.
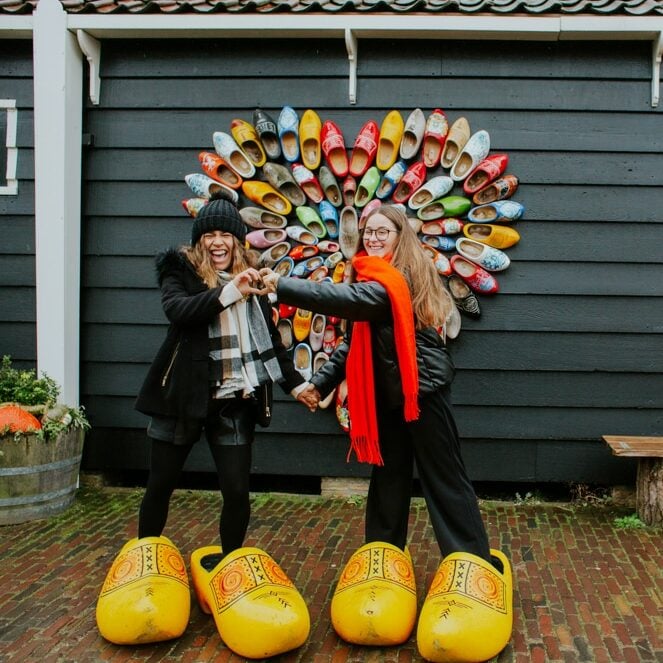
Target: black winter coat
[[178, 381], [369, 301]]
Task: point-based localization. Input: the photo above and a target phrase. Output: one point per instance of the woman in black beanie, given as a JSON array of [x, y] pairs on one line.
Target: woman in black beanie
[[214, 371]]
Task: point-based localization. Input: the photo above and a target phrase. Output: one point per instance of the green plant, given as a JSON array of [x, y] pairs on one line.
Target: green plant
[[629, 522], [25, 387], [39, 396]]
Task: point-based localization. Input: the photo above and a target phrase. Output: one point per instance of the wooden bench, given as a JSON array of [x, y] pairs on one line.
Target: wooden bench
[[649, 480]]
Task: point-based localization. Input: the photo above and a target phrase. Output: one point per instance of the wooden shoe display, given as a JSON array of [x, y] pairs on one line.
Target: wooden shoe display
[[313, 191], [257, 610], [145, 596], [375, 600], [467, 616]]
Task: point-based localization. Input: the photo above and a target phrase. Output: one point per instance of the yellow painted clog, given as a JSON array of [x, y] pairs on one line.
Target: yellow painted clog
[[256, 608], [375, 601], [467, 616], [247, 138], [310, 127], [145, 597], [389, 141], [266, 195]]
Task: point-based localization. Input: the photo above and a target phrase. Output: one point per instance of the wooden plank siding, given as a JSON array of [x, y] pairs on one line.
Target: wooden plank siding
[[17, 243], [572, 346]]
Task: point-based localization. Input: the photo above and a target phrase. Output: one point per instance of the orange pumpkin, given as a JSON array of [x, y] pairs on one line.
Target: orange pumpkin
[[17, 419]]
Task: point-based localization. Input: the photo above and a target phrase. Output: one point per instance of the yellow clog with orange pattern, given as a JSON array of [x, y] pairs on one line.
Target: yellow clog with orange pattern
[[467, 616], [375, 601], [256, 608], [145, 596]]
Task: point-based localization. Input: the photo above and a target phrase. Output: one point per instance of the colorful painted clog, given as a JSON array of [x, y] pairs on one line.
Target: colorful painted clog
[[501, 237], [367, 186], [434, 189], [309, 139], [501, 211], [257, 610], [247, 138], [365, 149], [310, 218], [413, 134], [458, 135], [488, 257], [266, 237], [463, 296], [267, 196], [476, 277], [282, 179], [268, 133], [390, 179], [389, 140], [205, 187], [329, 216], [288, 128], [333, 147], [435, 135], [308, 182], [375, 600], [330, 187], [215, 167], [226, 147], [475, 151], [468, 612], [413, 179], [145, 597], [502, 188], [488, 170]]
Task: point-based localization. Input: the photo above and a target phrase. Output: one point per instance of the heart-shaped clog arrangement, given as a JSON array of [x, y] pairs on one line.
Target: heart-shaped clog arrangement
[[304, 197]]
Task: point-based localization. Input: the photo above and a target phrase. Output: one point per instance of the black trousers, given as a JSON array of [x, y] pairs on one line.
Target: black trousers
[[432, 441], [229, 433]]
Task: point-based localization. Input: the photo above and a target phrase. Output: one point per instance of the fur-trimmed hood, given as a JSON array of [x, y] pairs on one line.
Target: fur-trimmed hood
[[172, 260]]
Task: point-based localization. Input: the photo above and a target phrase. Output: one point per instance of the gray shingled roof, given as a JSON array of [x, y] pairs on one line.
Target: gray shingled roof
[[464, 7]]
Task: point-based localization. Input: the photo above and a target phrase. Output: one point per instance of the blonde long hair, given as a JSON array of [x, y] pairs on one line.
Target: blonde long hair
[[431, 302], [200, 258]]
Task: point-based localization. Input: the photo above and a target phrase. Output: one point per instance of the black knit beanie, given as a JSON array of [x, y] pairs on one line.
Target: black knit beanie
[[218, 214]]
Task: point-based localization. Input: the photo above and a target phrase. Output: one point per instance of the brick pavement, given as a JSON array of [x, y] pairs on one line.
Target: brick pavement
[[585, 590]]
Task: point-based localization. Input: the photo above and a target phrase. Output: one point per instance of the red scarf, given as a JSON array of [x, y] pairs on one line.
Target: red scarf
[[359, 367]]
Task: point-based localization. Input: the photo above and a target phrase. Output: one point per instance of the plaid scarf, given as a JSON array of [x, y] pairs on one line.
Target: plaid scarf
[[359, 366], [241, 350]]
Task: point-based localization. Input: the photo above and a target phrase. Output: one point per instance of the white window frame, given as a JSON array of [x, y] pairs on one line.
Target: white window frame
[[11, 187]]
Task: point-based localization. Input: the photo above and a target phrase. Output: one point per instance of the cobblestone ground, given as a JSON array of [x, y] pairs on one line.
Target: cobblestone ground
[[585, 590]]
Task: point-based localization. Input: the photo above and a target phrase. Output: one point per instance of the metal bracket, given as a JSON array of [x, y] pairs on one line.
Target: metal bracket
[[91, 49], [657, 54], [351, 47]]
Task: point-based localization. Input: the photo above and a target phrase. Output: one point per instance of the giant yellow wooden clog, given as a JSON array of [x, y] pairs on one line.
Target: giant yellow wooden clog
[[467, 616], [257, 609], [145, 597], [375, 601]]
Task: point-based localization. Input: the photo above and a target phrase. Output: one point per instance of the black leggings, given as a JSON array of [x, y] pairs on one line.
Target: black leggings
[[233, 465]]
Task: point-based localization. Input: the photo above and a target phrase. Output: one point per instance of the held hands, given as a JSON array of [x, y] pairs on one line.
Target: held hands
[[309, 397], [270, 279], [249, 282]]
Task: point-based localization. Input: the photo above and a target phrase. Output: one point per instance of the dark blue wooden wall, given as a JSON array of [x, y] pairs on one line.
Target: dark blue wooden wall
[[570, 349], [17, 237]]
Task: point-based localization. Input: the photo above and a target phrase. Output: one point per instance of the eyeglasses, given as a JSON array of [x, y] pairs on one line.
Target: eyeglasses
[[381, 234]]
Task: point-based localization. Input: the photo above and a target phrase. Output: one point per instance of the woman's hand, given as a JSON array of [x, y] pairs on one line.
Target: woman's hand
[[249, 282], [269, 278], [310, 397]]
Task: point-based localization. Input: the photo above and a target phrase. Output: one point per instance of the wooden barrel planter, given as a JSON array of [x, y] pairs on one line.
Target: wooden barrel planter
[[38, 478]]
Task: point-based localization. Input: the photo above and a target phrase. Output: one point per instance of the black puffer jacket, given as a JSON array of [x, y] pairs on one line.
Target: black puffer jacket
[[369, 301], [178, 382]]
